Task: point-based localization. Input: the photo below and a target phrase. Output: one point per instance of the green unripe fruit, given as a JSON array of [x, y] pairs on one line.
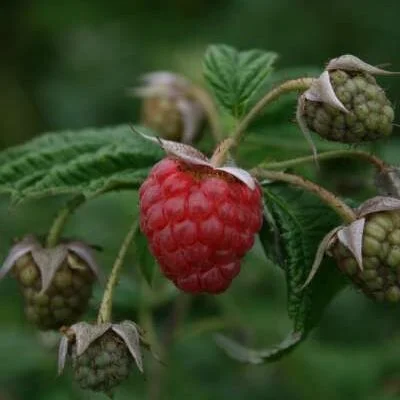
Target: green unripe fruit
[[62, 303], [163, 115], [370, 114], [104, 365], [380, 277]]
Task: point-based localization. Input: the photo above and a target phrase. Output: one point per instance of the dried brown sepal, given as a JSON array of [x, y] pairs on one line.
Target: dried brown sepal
[[47, 260], [378, 204], [388, 182], [303, 126], [323, 247], [192, 156], [348, 62], [322, 91], [83, 335], [351, 236]]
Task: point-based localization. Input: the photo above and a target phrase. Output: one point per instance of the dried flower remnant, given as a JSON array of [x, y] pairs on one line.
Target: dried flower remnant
[[388, 182]]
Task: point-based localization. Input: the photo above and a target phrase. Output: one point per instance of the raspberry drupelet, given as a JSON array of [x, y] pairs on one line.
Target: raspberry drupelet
[[199, 222]]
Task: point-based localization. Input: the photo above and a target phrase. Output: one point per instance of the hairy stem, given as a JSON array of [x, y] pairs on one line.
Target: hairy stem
[[61, 219], [204, 98], [299, 84], [106, 303], [379, 164], [342, 209]]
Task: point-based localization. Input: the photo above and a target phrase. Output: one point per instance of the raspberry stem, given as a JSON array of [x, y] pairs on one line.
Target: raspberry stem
[[299, 84], [379, 164], [105, 310], [210, 109], [342, 209], [61, 219]]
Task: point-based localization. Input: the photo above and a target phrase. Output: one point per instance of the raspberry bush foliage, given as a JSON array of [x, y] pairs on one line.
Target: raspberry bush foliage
[[218, 179]]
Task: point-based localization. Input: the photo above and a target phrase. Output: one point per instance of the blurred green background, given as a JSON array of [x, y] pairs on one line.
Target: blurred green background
[[66, 65]]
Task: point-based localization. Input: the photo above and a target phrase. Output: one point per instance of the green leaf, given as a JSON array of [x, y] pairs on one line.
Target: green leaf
[[87, 162], [255, 356], [303, 221], [269, 233], [145, 259], [236, 76]]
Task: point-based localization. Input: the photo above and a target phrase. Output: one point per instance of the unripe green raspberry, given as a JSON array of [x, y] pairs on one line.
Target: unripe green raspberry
[[369, 117], [64, 301], [169, 106], [104, 365], [163, 116], [102, 354], [380, 277], [56, 283]]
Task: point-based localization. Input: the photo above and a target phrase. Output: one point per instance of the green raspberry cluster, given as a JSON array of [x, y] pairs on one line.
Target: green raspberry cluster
[[380, 277], [64, 301], [370, 114], [104, 364], [163, 115]]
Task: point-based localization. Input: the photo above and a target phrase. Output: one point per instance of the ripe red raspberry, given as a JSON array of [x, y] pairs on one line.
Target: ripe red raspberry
[[200, 222]]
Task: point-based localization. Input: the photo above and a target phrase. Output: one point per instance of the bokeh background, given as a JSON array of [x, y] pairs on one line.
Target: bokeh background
[[67, 65]]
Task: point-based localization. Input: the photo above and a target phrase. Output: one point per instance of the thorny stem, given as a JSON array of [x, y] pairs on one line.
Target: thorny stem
[[61, 219], [379, 164], [299, 84], [210, 109], [105, 310], [342, 209]]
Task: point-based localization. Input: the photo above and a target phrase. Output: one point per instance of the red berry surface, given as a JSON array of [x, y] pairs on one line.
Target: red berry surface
[[199, 223]]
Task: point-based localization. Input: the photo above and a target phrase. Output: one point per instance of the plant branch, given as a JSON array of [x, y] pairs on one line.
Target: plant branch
[[379, 164], [342, 209], [106, 303], [299, 84], [60, 220]]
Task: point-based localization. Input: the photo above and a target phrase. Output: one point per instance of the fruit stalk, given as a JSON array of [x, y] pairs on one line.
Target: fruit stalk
[[299, 84], [105, 310], [379, 164], [61, 219], [342, 209]]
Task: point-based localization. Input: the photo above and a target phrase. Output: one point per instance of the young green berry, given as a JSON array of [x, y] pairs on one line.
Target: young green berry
[[345, 104], [102, 355], [56, 283], [367, 250], [380, 276], [369, 113], [169, 108]]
